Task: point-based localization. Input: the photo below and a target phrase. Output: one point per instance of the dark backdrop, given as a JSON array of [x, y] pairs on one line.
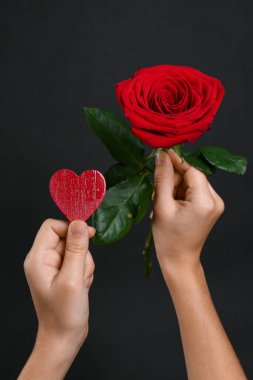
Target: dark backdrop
[[56, 57]]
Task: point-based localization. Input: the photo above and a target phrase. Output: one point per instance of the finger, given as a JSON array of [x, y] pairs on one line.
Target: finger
[[49, 234], [212, 191], [91, 231], [60, 248], [178, 178], [89, 266], [88, 282], [218, 200], [91, 281], [76, 250], [164, 179], [178, 162], [193, 178]]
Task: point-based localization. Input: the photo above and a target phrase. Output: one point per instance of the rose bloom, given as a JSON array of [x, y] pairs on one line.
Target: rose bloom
[[169, 105]]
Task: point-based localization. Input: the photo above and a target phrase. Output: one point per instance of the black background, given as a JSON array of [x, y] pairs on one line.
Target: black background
[[56, 57]]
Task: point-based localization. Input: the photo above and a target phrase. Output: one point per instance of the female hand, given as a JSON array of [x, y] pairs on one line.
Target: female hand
[[59, 270], [185, 209]]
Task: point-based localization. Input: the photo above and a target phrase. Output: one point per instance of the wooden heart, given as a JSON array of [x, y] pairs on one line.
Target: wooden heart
[[77, 196]]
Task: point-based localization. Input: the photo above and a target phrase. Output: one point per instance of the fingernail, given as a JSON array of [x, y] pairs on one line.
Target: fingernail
[[160, 158], [77, 227]]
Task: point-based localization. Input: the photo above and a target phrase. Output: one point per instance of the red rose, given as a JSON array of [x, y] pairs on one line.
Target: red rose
[[169, 105]]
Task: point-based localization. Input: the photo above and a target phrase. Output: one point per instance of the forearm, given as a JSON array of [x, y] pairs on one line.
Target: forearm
[[207, 349], [51, 358]]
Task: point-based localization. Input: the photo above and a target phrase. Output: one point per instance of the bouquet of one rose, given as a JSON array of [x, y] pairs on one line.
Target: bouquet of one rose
[[166, 106]]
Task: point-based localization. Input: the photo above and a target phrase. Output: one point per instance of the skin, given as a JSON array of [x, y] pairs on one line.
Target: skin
[[59, 270], [185, 209]]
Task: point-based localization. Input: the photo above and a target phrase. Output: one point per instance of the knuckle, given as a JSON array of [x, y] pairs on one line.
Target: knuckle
[[158, 210], [75, 247], [27, 264], [162, 218], [207, 207], [69, 285], [47, 223], [92, 267], [160, 176], [197, 174], [220, 206], [192, 171], [86, 331]]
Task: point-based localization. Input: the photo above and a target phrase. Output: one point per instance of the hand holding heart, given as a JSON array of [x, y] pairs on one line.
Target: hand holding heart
[[59, 270]]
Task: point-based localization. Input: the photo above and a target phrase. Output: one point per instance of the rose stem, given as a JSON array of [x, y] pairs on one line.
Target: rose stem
[[179, 150], [146, 254], [153, 153]]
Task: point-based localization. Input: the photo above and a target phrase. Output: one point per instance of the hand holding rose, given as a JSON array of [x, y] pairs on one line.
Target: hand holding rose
[[185, 209], [166, 106]]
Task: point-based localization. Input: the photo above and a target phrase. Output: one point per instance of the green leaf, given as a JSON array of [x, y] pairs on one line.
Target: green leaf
[[150, 165], [115, 216], [223, 159], [199, 162], [116, 134], [118, 173], [141, 200]]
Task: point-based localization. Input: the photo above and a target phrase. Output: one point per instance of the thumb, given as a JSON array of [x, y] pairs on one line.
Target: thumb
[[164, 179], [77, 243]]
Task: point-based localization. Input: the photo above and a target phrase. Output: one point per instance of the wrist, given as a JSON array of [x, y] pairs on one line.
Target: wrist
[[51, 358], [64, 347], [181, 269]]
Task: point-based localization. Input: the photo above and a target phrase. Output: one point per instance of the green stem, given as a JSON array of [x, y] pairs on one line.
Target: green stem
[[146, 254], [179, 150], [153, 153]]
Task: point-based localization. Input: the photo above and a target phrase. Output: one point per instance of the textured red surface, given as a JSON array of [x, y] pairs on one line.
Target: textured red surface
[[77, 196]]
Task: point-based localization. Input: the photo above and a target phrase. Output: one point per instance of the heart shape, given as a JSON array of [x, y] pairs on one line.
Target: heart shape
[[77, 196]]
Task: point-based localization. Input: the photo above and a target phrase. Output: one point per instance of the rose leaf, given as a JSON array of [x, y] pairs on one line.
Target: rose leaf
[[141, 200], [199, 162], [116, 214], [116, 134], [221, 158], [118, 173]]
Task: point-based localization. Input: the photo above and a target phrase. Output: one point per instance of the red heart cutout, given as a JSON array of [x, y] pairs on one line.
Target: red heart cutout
[[77, 196]]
